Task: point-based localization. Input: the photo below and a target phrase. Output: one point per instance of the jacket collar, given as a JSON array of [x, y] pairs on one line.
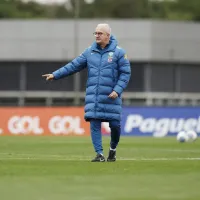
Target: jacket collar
[[110, 47]]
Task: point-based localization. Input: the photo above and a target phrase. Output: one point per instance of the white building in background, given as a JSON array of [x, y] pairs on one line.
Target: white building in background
[[165, 61]]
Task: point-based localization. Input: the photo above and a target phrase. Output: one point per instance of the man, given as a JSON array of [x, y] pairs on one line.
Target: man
[[108, 75]]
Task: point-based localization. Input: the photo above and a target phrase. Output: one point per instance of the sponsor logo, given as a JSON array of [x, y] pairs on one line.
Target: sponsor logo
[[24, 125], [160, 127], [125, 56], [43, 121], [65, 125], [57, 125]]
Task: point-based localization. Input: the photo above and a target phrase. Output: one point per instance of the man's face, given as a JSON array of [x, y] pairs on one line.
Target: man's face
[[101, 36]]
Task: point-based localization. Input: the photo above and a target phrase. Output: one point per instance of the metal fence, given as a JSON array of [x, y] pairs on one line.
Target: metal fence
[[169, 84]]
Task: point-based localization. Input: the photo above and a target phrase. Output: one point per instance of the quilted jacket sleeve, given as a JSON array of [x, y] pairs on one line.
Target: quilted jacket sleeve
[[74, 66], [124, 72]]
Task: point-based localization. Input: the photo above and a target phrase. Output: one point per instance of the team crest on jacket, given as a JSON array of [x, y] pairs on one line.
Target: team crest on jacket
[[110, 56]]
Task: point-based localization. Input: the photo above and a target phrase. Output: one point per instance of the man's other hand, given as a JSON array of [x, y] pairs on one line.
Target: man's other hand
[[113, 95], [48, 76]]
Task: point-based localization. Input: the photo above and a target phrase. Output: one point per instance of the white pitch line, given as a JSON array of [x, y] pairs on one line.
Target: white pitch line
[[165, 150], [12, 154], [74, 156], [180, 150], [88, 159], [34, 155], [157, 159]]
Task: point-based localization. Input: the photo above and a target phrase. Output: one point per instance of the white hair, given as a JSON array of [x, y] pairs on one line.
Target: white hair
[[105, 27]]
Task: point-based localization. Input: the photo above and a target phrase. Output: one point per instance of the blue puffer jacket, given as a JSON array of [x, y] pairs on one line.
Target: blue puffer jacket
[[108, 70]]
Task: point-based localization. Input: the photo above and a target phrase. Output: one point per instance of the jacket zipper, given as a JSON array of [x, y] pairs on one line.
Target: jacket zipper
[[113, 71], [97, 91]]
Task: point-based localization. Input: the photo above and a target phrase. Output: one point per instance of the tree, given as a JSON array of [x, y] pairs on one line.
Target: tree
[[165, 9]]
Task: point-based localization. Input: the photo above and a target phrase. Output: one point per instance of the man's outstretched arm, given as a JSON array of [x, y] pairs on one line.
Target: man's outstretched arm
[[74, 66]]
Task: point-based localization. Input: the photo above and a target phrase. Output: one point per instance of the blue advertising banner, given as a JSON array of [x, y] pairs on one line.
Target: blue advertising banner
[[158, 121]]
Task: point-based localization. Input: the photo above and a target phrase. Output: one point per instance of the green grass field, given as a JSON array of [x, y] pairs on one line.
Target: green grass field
[[59, 168]]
